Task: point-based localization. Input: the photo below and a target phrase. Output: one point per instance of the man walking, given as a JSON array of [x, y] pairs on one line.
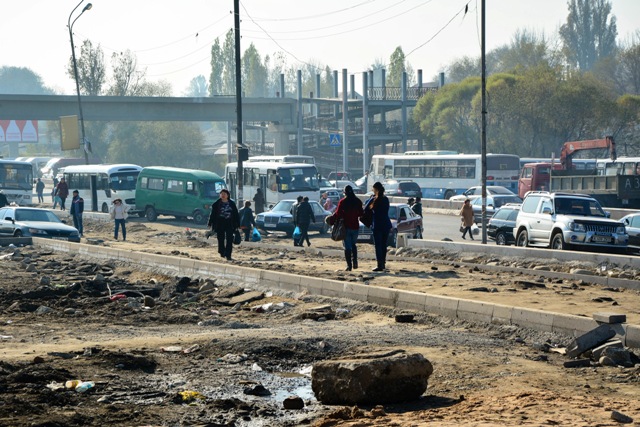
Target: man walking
[[349, 210], [304, 217], [40, 190], [76, 209], [62, 191]]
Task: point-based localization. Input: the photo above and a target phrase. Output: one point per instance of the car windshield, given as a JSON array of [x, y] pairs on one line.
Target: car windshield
[[323, 182], [584, 207], [35, 215], [499, 190], [283, 206], [393, 212], [124, 181], [298, 179], [499, 201]]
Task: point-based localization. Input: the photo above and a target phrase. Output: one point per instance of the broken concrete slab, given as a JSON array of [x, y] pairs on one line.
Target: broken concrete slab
[[578, 363], [246, 297], [372, 378], [591, 339], [609, 318]]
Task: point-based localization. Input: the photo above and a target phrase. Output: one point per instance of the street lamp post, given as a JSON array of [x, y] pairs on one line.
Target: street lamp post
[[94, 200]]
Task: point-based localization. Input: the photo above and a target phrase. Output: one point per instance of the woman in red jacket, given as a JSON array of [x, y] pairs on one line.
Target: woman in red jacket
[[350, 210]]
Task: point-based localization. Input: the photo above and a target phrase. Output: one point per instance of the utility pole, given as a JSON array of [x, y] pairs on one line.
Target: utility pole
[[483, 149], [241, 150]]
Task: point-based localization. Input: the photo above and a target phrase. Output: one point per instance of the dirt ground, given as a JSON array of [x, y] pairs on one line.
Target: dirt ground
[[192, 358]]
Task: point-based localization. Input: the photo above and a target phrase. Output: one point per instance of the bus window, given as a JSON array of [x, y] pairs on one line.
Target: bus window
[[191, 188], [175, 186], [388, 172], [156, 184], [272, 182]]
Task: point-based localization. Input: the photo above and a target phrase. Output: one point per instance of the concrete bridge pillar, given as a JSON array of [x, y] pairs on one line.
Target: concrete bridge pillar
[[281, 142]]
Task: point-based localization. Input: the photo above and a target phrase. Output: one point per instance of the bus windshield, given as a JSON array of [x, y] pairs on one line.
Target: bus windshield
[[16, 177], [211, 189], [298, 179], [123, 181]]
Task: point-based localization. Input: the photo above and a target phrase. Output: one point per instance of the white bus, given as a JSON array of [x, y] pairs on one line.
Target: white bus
[[289, 158], [278, 181], [112, 182], [16, 181], [441, 176]]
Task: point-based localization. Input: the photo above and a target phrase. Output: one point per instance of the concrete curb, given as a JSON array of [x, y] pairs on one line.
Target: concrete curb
[[475, 311]]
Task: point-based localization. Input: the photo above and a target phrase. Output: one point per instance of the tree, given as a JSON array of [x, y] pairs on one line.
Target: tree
[[127, 79], [254, 79], [589, 33], [91, 69], [396, 68], [629, 66], [228, 60], [217, 67], [198, 87], [20, 80]]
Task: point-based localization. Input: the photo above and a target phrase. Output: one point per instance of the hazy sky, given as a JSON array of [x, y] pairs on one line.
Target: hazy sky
[[172, 39]]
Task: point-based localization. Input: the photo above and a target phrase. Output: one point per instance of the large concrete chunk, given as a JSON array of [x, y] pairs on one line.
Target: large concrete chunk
[[373, 378], [610, 318], [590, 340]]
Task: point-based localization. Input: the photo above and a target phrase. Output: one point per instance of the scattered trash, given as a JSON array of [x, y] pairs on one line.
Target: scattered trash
[[256, 368], [233, 358], [55, 386], [172, 349], [6, 337], [188, 396], [117, 297], [191, 349], [306, 370], [84, 386], [72, 384]]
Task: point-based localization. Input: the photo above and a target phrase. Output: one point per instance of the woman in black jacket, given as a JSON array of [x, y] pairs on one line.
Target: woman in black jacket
[[224, 220]]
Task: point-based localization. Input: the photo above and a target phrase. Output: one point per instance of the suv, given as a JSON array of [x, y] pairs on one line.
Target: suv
[[564, 221]]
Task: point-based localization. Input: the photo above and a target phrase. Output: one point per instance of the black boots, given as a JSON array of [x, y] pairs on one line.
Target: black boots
[[347, 257], [354, 253]]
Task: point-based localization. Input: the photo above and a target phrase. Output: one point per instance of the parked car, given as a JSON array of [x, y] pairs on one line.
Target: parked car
[[566, 221], [493, 203], [332, 193], [340, 184], [403, 220], [35, 222], [340, 175], [632, 224], [362, 185], [393, 188], [500, 226], [280, 218], [476, 191]]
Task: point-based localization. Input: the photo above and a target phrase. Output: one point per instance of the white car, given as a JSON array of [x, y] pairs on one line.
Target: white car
[[476, 191]]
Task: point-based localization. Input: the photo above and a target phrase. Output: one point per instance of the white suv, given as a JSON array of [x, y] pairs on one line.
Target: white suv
[[564, 221]]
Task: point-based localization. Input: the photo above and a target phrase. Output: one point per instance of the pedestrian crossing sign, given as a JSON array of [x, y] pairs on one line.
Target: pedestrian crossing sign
[[334, 140]]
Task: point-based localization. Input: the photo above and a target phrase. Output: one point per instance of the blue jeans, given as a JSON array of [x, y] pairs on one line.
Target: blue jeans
[[77, 223], [120, 222], [350, 239]]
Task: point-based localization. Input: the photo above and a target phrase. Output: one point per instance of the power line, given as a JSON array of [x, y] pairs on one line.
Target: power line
[[464, 9], [300, 18]]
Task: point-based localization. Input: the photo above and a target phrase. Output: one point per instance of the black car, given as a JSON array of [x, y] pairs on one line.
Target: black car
[[279, 218], [500, 226], [402, 189], [493, 203]]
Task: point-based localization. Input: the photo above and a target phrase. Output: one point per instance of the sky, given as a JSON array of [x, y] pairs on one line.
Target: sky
[[171, 39]]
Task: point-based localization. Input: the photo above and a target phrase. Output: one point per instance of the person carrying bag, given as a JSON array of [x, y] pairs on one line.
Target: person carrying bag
[[225, 220], [346, 226]]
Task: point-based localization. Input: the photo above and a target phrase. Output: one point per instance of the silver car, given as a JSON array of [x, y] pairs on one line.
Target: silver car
[[33, 222]]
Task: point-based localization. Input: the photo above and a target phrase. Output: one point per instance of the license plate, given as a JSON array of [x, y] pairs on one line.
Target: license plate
[[60, 238], [601, 239], [270, 225]]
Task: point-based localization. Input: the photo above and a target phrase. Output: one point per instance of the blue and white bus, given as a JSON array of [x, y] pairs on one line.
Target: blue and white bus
[[441, 176], [112, 182], [16, 181]]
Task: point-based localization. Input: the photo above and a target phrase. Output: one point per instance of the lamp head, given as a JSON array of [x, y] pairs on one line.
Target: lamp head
[[87, 7]]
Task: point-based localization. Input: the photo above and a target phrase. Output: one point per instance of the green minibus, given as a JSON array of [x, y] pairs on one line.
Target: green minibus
[[178, 192]]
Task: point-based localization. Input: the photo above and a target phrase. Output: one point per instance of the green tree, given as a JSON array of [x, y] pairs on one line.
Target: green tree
[[589, 33], [217, 68], [228, 64], [176, 144], [254, 73], [396, 68], [629, 66], [198, 87], [20, 80], [92, 72]]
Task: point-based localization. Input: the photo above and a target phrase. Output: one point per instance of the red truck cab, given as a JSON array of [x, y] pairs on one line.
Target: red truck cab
[[535, 177]]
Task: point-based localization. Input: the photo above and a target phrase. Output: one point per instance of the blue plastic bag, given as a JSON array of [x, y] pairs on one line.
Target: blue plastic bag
[[255, 236], [297, 233]]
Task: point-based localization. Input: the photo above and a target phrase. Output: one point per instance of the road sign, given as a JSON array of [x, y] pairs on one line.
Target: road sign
[[334, 140]]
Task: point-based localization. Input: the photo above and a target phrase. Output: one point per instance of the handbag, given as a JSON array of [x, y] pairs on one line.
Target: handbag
[[338, 232], [237, 238], [297, 233], [255, 236], [367, 218]]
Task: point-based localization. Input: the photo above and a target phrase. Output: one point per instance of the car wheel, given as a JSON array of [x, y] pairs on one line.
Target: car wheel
[[151, 214], [418, 234], [199, 217], [105, 208], [17, 233], [557, 242], [523, 239], [501, 238], [448, 194]]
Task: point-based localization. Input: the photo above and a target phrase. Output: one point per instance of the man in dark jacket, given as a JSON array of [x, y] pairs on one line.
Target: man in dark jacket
[[62, 191], [304, 217], [246, 220], [349, 210], [224, 220], [76, 209], [294, 210]]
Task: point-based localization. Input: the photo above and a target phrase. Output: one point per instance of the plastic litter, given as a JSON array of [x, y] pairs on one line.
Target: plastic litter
[[84, 386], [72, 384], [190, 395]]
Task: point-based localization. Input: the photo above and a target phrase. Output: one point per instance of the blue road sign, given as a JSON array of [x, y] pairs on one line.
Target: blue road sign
[[334, 140]]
